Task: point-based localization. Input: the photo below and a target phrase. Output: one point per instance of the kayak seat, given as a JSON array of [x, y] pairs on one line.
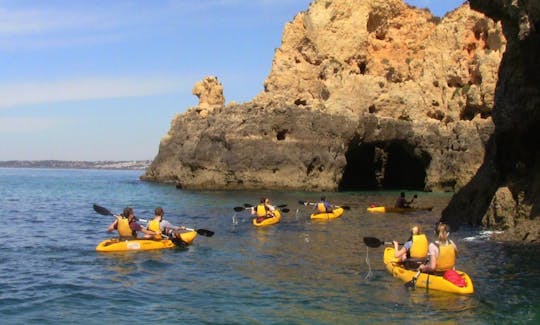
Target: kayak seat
[[413, 263]]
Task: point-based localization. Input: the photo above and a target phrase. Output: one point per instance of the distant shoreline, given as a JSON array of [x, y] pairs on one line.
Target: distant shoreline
[[103, 164]]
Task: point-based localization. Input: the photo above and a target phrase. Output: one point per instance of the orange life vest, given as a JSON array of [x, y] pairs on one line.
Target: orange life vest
[[321, 208], [419, 247], [447, 257], [123, 228], [153, 225], [261, 210]]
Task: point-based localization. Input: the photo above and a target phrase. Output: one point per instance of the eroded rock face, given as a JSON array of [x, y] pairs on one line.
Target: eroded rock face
[[512, 162], [210, 92], [362, 94]]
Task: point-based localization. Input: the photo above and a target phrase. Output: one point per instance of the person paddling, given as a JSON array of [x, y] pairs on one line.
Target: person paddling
[[415, 250], [162, 226], [323, 206], [127, 226], [263, 210], [401, 202]]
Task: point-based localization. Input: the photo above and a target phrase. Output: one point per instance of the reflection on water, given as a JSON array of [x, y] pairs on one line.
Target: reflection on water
[[442, 301]]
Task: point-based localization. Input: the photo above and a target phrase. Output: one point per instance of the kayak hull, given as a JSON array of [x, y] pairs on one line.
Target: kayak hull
[[383, 209], [336, 213], [428, 281], [268, 221], [117, 245]]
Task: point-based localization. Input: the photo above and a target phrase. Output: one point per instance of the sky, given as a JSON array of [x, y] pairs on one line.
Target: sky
[[102, 80]]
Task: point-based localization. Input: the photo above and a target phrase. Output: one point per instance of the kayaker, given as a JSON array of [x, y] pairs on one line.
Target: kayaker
[[323, 207], [263, 210], [401, 202], [162, 226], [415, 249], [442, 253], [127, 226]]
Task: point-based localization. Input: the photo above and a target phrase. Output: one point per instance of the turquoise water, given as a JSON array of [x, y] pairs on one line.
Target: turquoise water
[[296, 272]]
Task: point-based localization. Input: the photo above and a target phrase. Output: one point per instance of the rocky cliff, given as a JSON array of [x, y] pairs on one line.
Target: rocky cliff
[[505, 192], [362, 94]]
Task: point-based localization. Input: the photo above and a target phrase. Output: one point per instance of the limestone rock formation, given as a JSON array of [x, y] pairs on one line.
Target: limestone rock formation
[[506, 190], [362, 94], [210, 94]]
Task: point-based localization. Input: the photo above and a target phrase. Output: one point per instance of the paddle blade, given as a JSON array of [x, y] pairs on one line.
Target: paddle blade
[[101, 210], [247, 205], [285, 210], [282, 205], [302, 202], [412, 284], [205, 232], [345, 207], [238, 209], [372, 242]]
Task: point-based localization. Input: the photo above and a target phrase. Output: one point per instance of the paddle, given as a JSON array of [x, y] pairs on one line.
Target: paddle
[[345, 207], [202, 232], [104, 211], [249, 206], [375, 242], [411, 284]]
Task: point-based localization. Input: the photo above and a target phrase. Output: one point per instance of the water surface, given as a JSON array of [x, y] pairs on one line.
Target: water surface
[[296, 272]]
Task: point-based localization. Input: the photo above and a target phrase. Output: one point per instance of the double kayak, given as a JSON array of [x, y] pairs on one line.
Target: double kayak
[[383, 209], [425, 280], [118, 245], [336, 213], [268, 221]]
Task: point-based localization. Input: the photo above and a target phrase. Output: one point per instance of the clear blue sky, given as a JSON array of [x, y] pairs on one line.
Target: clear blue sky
[[102, 80]]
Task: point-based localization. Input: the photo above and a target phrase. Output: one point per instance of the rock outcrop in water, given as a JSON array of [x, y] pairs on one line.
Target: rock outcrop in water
[[362, 94], [505, 192]]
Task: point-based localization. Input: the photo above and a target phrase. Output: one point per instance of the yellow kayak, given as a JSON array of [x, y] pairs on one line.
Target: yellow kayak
[[268, 221], [383, 209], [428, 281], [117, 245], [336, 213]]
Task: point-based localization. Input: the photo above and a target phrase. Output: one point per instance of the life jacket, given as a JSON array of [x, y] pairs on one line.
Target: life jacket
[[447, 257], [321, 207], [261, 210], [123, 228], [153, 225], [419, 247]]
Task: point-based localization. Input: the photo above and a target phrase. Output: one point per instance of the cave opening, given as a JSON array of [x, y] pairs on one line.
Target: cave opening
[[359, 174], [404, 169], [384, 166]]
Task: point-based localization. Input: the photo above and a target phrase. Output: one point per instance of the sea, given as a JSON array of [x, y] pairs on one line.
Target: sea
[[296, 272]]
